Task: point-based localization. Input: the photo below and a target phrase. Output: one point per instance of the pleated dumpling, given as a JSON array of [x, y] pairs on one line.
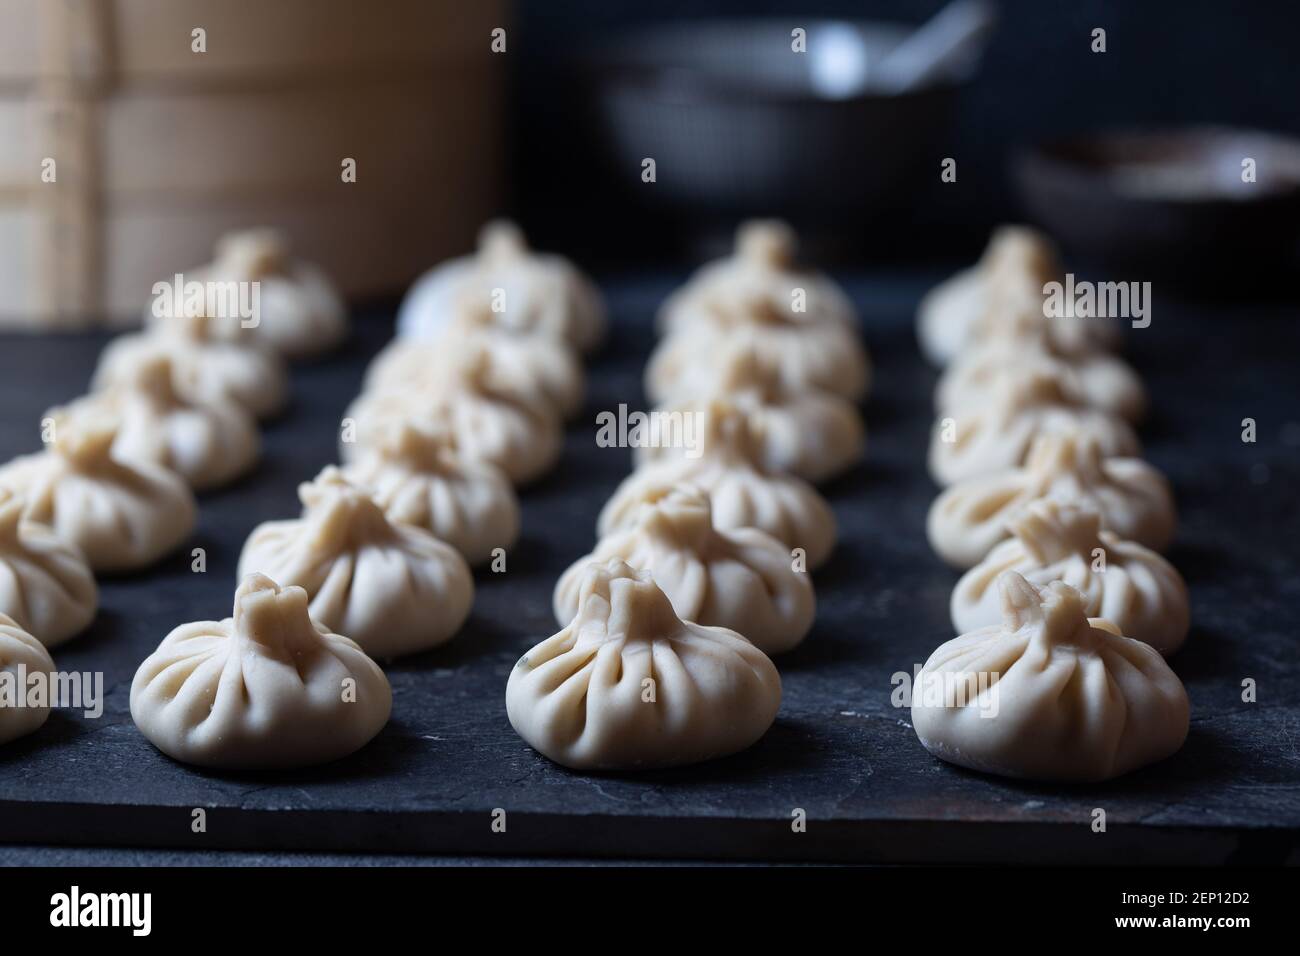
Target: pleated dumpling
[[299, 313], [744, 495], [46, 586], [120, 515], [761, 269], [1132, 498], [21, 655], [268, 688], [205, 368], [415, 475], [1018, 260], [1047, 694], [993, 436], [740, 579], [1121, 581], [629, 685], [813, 434], [209, 444], [531, 365], [825, 356], [1096, 379], [1005, 296], [488, 422], [393, 588], [526, 291]]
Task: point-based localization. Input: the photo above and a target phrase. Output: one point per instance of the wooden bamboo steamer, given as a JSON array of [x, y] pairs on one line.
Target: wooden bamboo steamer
[[159, 149]]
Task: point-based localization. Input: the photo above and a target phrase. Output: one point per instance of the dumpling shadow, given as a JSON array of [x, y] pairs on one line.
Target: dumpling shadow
[[786, 746], [59, 730]]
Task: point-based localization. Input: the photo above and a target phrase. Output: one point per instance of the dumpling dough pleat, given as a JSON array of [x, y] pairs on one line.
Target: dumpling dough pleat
[[46, 587], [21, 655]]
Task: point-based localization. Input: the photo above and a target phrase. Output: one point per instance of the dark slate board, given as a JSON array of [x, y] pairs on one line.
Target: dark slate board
[[839, 750]]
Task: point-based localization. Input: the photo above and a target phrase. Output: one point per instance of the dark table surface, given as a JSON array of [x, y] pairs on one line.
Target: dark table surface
[[428, 785]]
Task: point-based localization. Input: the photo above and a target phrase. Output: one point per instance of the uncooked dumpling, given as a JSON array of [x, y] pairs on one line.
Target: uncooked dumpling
[[268, 688], [393, 588], [45, 584], [415, 475], [813, 434], [1047, 694], [995, 435], [1121, 581], [120, 515], [806, 356], [762, 270], [1132, 497], [741, 579], [531, 365], [204, 368], [526, 291], [1096, 379], [743, 494], [488, 423], [21, 656], [1004, 296], [207, 444], [1018, 260], [629, 685], [299, 312]]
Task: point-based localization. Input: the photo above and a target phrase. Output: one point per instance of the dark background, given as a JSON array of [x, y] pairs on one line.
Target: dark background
[[1167, 62]]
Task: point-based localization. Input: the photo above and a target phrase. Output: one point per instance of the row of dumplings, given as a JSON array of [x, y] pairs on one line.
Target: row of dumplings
[[701, 567], [463, 406], [1065, 607], [172, 411]]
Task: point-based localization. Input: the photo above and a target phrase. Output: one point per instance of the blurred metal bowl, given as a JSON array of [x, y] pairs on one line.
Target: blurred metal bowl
[[738, 123]]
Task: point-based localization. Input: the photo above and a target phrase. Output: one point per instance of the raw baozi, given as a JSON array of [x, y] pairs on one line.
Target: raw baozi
[[531, 365], [761, 270], [415, 475], [744, 495], [992, 436], [1017, 259], [21, 656], [266, 688], [1047, 694], [1132, 498], [299, 312], [491, 424], [120, 515], [204, 368], [1096, 379], [1006, 295], [393, 588], [806, 356], [1121, 581], [207, 444], [45, 584], [741, 579], [815, 435], [526, 292], [629, 685]]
